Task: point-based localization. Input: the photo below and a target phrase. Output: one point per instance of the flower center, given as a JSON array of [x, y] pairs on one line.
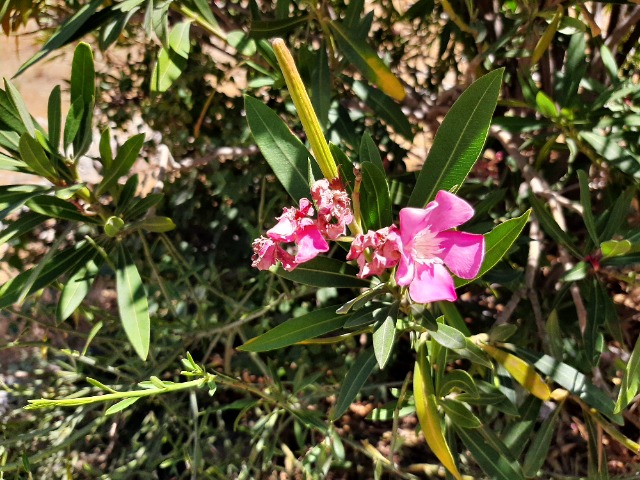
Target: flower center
[[426, 247]]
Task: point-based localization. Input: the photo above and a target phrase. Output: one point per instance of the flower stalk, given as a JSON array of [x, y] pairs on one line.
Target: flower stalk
[[305, 110]]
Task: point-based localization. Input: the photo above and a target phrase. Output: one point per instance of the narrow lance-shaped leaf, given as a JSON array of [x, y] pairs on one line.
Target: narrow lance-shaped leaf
[[459, 140], [365, 59], [375, 202], [282, 150], [521, 371], [132, 303], [354, 381], [126, 157], [539, 448], [19, 106], [497, 243], [384, 336], [83, 79], [630, 381], [585, 200], [324, 272], [35, 157], [384, 107], [173, 61], [427, 411], [55, 119], [64, 34], [297, 329], [551, 227], [77, 287], [495, 462]]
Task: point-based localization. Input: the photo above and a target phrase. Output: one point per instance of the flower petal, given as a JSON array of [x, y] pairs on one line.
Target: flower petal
[[412, 220], [310, 243], [405, 271], [462, 252], [432, 283], [451, 211]]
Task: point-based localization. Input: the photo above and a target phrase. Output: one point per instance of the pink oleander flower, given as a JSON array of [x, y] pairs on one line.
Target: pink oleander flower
[[375, 251], [429, 243], [334, 208], [294, 226]]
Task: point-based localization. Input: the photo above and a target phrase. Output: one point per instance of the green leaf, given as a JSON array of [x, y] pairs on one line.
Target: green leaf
[[354, 380], [570, 379], [448, 337], [27, 222], [114, 25], [173, 61], [19, 107], [276, 28], [427, 412], [585, 201], [546, 105], [126, 157], [618, 213], [497, 243], [609, 63], [140, 206], [489, 394], [77, 287], [375, 202], [324, 272], [369, 152], [539, 449], [55, 119], [459, 414], [13, 197], [550, 226], [83, 90], [518, 433], [459, 140], [473, 353], [458, 379], [121, 405], [106, 155], [55, 207], [156, 224], [83, 75], [365, 59], [612, 150], [615, 248], [371, 314], [574, 71], [284, 152], [64, 34], [595, 319], [345, 167], [492, 460], [73, 122], [59, 264], [630, 381], [297, 329], [132, 303], [385, 108], [384, 336], [35, 157]]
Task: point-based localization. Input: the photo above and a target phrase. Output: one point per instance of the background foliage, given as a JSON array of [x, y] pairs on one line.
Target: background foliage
[[113, 283]]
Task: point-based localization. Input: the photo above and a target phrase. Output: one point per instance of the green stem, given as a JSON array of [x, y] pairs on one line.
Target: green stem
[[303, 105], [75, 402]]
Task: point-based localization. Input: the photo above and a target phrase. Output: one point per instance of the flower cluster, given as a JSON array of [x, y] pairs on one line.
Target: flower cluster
[[306, 236], [425, 249]]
